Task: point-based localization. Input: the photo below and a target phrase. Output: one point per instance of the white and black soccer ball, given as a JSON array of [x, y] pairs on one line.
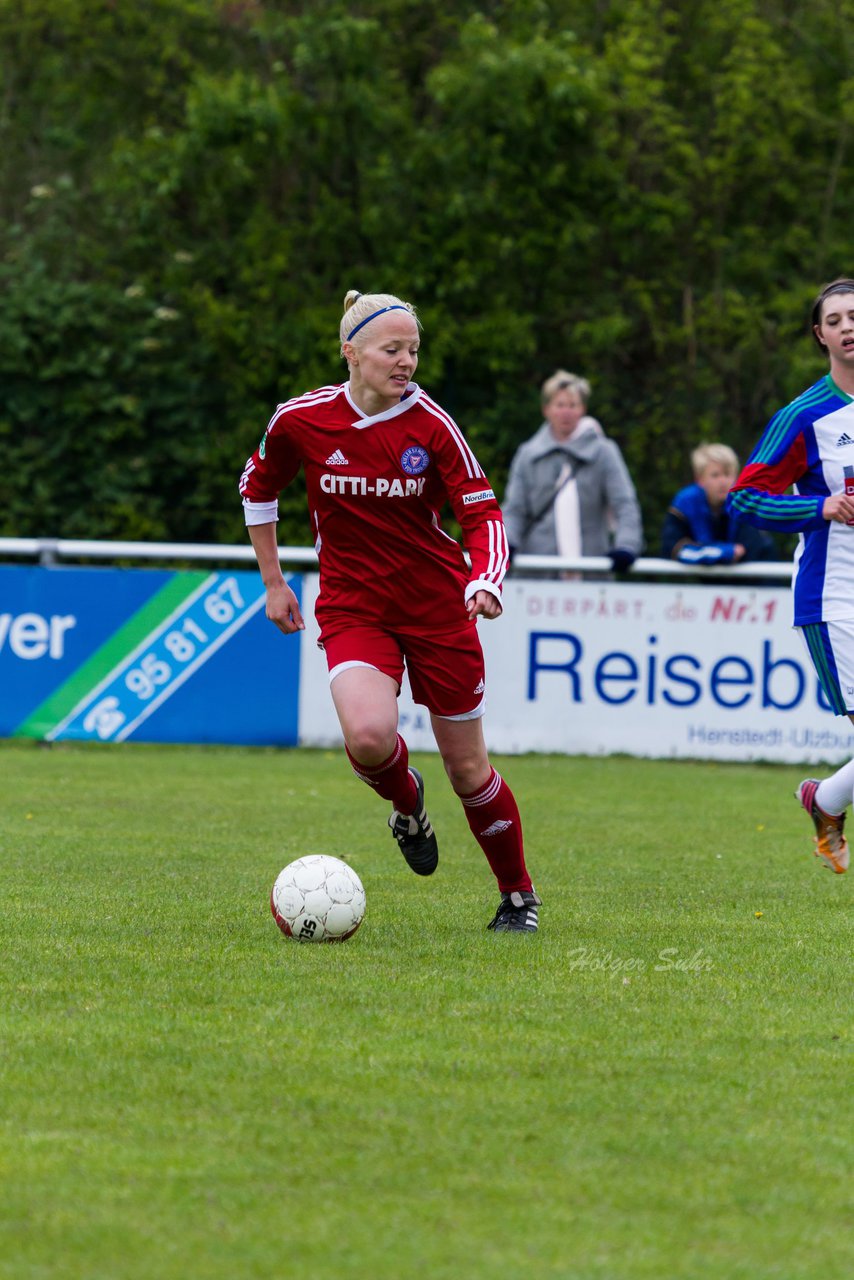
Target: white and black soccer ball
[[318, 898]]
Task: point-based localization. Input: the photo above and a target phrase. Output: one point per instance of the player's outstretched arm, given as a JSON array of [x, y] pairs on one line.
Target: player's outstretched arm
[[282, 605]]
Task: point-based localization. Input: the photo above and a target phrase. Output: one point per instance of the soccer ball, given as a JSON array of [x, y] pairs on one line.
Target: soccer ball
[[318, 898]]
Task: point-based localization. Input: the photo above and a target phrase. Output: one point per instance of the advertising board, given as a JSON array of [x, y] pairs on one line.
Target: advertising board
[[705, 672], [710, 671], [143, 654]]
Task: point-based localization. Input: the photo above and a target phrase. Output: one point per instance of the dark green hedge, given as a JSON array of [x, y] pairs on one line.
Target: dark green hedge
[[646, 193]]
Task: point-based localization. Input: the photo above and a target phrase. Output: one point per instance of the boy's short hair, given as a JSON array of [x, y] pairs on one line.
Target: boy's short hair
[[707, 454]]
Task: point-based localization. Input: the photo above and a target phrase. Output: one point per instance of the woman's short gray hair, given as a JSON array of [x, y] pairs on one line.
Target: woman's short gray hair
[[563, 381]]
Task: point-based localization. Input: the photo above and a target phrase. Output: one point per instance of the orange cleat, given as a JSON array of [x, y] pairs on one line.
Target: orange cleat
[[830, 843]]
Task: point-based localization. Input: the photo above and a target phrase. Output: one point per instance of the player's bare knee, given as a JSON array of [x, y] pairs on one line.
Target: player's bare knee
[[467, 775], [371, 744]]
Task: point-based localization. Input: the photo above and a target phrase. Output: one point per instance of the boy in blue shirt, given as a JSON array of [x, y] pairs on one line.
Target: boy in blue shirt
[[698, 529]]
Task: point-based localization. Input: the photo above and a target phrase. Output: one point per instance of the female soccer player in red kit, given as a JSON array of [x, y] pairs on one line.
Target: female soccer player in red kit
[[380, 459]]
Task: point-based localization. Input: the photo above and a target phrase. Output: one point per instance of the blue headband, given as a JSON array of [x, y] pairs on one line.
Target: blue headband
[[398, 306]]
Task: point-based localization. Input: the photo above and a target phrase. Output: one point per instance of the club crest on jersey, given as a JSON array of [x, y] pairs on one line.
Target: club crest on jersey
[[262, 448], [414, 460]]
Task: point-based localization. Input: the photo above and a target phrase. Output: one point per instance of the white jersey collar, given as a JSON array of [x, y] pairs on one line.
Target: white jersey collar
[[411, 396]]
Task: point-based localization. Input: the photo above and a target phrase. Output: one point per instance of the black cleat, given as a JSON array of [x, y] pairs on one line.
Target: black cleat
[[517, 913], [415, 835]]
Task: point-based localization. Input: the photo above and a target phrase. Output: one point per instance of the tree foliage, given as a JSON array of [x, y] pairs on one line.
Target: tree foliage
[[648, 193]]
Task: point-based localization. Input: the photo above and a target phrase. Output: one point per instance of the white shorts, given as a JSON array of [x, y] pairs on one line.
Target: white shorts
[[830, 646]]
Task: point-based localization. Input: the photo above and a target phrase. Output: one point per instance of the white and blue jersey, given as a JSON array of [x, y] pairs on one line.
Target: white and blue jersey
[[806, 446]]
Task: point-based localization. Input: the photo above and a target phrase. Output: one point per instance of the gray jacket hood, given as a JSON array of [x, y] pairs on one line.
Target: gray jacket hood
[[586, 441]]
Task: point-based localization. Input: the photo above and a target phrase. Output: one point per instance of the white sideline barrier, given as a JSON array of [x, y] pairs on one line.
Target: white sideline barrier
[[50, 550]]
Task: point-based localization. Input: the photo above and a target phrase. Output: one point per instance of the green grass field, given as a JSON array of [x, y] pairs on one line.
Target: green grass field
[[658, 1084]]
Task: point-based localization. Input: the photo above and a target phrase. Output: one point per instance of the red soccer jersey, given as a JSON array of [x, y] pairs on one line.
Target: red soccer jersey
[[375, 486]]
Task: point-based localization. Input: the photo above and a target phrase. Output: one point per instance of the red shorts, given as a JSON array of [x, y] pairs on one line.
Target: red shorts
[[446, 671]]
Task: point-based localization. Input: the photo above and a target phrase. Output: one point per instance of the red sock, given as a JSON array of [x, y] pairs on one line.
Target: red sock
[[494, 820], [391, 779]]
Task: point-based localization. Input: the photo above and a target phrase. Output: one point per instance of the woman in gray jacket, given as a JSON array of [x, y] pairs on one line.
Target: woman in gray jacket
[[569, 491]]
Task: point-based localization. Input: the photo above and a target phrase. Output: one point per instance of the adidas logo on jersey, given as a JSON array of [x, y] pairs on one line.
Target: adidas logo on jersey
[[337, 459], [843, 440], [497, 827], [478, 687]]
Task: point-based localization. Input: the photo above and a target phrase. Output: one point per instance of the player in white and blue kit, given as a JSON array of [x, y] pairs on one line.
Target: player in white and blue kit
[[808, 447]]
